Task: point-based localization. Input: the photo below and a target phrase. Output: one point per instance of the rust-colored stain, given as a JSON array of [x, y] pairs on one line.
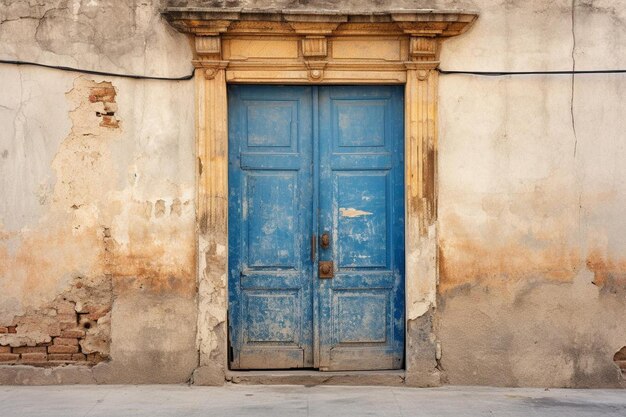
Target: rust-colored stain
[[467, 258], [471, 262], [608, 274]]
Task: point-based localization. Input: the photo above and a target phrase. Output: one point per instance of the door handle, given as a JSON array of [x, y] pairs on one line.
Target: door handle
[[326, 269], [325, 240]]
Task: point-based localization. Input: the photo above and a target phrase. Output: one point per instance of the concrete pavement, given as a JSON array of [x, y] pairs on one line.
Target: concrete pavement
[[296, 401]]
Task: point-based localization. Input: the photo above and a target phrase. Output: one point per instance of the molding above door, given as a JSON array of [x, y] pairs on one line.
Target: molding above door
[[291, 46], [318, 47]]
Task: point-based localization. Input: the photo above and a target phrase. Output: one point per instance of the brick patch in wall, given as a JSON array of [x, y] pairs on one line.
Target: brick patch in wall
[[62, 350], [73, 329], [105, 93]]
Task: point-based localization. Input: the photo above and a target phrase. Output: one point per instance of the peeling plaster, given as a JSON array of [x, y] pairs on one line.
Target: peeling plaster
[[93, 225]]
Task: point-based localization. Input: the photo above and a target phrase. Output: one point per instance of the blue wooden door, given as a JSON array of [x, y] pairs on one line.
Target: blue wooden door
[[316, 227], [362, 209], [269, 217]]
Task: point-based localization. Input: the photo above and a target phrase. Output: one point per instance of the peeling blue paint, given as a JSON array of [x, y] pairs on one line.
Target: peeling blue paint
[[302, 161]]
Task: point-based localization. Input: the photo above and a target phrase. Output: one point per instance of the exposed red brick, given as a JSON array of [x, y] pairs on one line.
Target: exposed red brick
[[9, 357], [58, 363], [67, 321], [62, 349], [4, 330], [109, 121], [73, 333], [97, 313], [11, 329], [54, 329], [30, 349], [61, 318], [5, 349], [65, 341], [79, 357], [66, 308], [102, 94], [34, 357], [95, 357], [60, 356]]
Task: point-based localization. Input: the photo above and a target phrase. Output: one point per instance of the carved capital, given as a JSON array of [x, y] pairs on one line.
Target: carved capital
[[208, 45], [211, 68], [424, 49], [423, 52], [421, 67]]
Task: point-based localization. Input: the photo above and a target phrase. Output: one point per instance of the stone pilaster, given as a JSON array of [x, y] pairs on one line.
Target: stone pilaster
[[212, 215], [421, 209]]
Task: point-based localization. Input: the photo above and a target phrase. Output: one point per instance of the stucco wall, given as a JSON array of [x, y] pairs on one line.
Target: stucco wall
[[97, 211], [532, 240], [532, 271]]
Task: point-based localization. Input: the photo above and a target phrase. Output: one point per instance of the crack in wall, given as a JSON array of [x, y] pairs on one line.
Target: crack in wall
[[573, 75]]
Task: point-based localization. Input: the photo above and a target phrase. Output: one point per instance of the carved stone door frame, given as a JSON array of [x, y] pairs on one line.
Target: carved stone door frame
[[313, 47]]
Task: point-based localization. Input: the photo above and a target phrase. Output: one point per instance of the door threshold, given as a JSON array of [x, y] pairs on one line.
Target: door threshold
[[312, 377]]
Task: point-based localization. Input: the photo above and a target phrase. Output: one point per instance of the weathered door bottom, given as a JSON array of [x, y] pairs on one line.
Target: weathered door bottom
[[313, 377]]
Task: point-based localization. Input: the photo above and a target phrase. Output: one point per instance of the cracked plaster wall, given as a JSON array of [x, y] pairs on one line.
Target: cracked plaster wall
[[95, 198], [532, 280], [530, 199]]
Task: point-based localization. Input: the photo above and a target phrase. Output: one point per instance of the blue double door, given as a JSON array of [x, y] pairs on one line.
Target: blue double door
[[316, 227]]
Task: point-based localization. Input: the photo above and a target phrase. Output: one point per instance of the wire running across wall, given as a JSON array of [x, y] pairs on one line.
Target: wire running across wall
[[190, 76], [94, 72], [507, 73]]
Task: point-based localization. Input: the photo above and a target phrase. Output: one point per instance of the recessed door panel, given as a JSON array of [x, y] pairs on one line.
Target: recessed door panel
[[271, 213]]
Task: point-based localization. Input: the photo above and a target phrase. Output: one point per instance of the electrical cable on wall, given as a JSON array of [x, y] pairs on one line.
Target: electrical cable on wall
[[505, 73], [441, 71], [93, 72]]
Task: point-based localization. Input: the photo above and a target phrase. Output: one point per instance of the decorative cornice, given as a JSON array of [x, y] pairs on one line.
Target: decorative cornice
[[419, 22]]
